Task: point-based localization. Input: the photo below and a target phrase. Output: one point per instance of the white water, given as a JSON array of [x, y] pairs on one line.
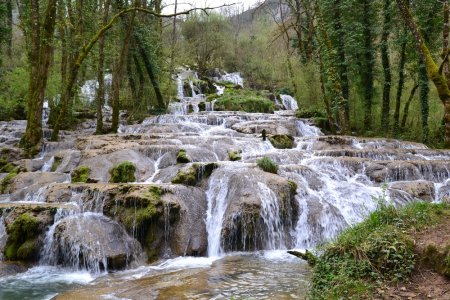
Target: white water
[[3, 236], [289, 102]]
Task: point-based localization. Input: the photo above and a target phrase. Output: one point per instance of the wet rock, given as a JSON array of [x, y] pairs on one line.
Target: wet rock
[[11, 268], [272, 127], [252, 196], [102, 164], [282, 141], [376, 172], [402, 171], [407, 191], [93, 242], [26, 185]]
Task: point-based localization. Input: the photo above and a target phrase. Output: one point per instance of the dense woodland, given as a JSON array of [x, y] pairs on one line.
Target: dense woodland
[[365, 67]]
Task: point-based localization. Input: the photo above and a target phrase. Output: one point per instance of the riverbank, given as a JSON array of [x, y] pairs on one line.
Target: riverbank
[[394, 254]]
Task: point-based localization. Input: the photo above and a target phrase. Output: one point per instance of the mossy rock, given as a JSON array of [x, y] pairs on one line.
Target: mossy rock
[[202, 106], [123, 172], [243, 100], [80, 174], [292, 187], [212, 97], [309, 113], [8, 180], [22, 238], [267, 165], [182, 157], [56, 162], [234, 155], [282, 141], [194, 174]]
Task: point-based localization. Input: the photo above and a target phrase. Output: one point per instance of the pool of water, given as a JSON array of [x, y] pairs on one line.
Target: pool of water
[[260, 275]]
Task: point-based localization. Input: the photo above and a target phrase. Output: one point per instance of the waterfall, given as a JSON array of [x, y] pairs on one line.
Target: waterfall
[[289, 102], [234, 78], [217, 204]]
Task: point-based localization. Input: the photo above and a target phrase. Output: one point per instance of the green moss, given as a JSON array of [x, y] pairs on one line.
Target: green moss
[[292, 187], [267, 165], [123, 172], [282, 141], [8, 180], [22, 238], [234, 155], [194, 174], [182, 157], [56, 162], [80, 174], [212, 97], [436, 259], [243, 100]]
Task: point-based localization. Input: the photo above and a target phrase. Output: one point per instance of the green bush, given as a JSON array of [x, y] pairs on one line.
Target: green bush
[[310, 113], [123, 172], [267, 165], [80, 174]]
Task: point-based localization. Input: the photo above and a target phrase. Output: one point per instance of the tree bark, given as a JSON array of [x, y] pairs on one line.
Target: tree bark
[[41, 38], [407, 104], [100, 94], [401, 83], [386, 67]]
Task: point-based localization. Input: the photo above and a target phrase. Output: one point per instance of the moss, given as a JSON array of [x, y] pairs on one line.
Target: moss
[[292, 187], [212, 97], [234, 155], [267, 165], [8, 180], [282, 141], [243, 100], [182, 157], [436, 259], [309, 113], [22, 238], [194, 174], [123, 172], [56, 162], [80, 174]]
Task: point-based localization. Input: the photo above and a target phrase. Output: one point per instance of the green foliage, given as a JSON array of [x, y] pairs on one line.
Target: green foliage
[[377, 249], [22, 238], [267, 165], [123, 172], [182, 157], [244, 100], [309, 113], [282, 141], [234, 155], [80, 174], [13, 92]]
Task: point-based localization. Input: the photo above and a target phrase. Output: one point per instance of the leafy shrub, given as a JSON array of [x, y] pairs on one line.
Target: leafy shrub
[[243, 100], [267, 165], [123, 172], [309, 113]]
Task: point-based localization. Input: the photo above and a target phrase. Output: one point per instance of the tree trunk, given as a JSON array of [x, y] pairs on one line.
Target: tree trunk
[[174, 39], [39, 56], [386, 67], [9, 12], [368, 65], [161, 106], [407, 104], [438, 79], [100, 95], [424, 93], [401, 83]]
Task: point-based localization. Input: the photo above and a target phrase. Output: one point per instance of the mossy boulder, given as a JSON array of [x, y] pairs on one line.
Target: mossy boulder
[[182, 157], [282, 141], [244, 100], [234, 155], [80, 174], [5, 182], [123, 172], [437, 259], [267, 165], [194, 174], [22, 243]]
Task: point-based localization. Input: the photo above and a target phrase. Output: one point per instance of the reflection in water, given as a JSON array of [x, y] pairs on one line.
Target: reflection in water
[[262, 275]]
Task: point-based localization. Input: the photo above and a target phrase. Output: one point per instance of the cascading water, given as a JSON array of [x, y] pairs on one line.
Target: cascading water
[[3, 236], [289, 102]]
